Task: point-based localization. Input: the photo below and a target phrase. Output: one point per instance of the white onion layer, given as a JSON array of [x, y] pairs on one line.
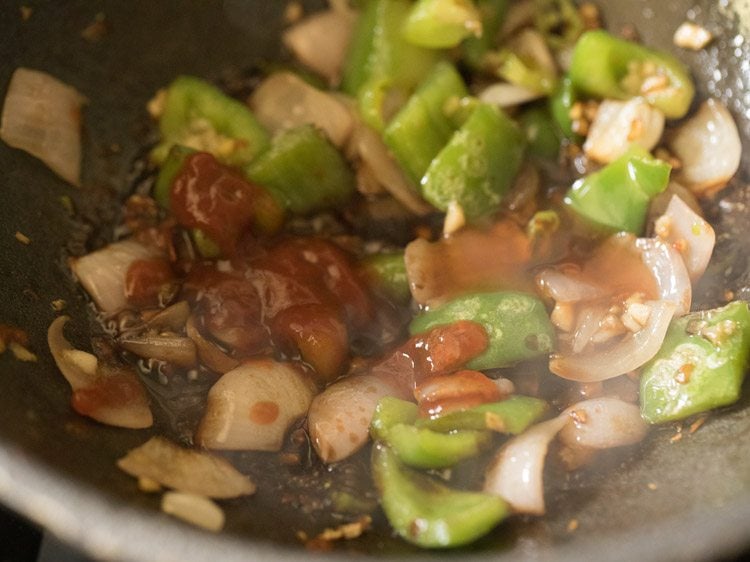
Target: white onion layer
[[709, 146], [42, 116], [687, 232], [603, 423]]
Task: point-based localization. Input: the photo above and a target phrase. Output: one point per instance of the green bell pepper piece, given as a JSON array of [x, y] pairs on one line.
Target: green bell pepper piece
[[560, 103], [474, 49], [303, 171], [617, 196], [419, 447], [425, 511], [387, 272], [512, 415], [204, 244], [558, 21], [522, 71], [478, 164], [700, 366], [440, 24], [605, 66], [542, 135], [517, 325], [199, 115], [382, 68], [168, 172], [424, 125]]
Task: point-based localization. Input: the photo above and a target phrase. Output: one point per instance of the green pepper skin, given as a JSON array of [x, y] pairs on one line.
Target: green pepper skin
[[168, 172], [517, 325], [512, 415], [541, 133], [617, 196], [475, 48], [419, 447], [387, 272], [605, 66], [440, 24], [700, 366], [190, 100], [423, 126], [382, 67], [428, 513], [478, 164], [560, 103], [303, 171]]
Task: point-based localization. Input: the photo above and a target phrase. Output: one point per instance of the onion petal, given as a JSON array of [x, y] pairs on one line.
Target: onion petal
[[669, 271], [627, 354], [42, 116], [516, 472], [687, 232], [503, 94], [252, 406], [321, 41], [620, 124], [113, 396], [339, 417], [187, 470], [284, 101], [102, 273], [602, 423], [709, 146]]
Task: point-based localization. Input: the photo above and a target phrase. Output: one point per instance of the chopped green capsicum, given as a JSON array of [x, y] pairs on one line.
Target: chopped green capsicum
[[424, 125], [478, 164], [559, 21], [172, 165], [382, 68], [199, 115], [439, 24], [512, 415], [387, 272], [700, 366], [303, 171], [541, 133], [560, 104], [605, 66], [420, 447], [517, 325], [425, 511], [617, 196], [475, 48]]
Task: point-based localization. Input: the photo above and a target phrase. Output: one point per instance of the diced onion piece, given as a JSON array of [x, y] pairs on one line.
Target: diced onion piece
[[177, 350], [530, 45], [709, 146], [210, 354], [194, 509], [102, 273], [42, 116], [110, 396], [339, 417], [284, 101], [568, 286], [689, 234], [516, 472], [602, 423], [692, 36], [669, 271], [369, 147], [251, 407], [620, 124], [187, 470], [506, 95], [321, 40], [624, 355]]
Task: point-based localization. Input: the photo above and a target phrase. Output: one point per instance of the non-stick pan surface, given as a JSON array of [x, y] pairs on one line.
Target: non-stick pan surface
[[684, 500]]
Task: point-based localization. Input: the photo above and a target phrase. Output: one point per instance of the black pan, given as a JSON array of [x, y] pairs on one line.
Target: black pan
[[685, 500]]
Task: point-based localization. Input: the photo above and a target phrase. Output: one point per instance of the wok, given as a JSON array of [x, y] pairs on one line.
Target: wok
[[685, 500]]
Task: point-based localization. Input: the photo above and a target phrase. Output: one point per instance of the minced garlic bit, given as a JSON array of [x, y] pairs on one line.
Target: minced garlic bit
[[692, 36], [572, 525], [696, 425], [454, 219], [58, 305], [155, 105], [197, 510], [148, 485], [21, 353], [347, 530], [22, 238], [652, 486], [293, 12], [636, 316], [563, 317]]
